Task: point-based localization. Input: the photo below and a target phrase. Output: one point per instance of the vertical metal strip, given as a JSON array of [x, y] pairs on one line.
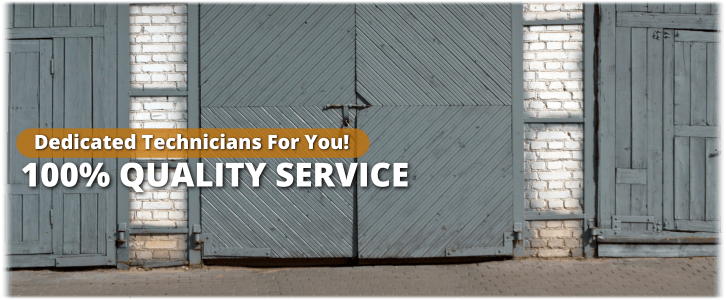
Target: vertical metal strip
[[518, 121], [123, 103], [606, 114], [194, 205], [589, 96]]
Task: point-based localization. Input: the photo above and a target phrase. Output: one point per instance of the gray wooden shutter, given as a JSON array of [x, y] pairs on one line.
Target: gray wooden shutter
[[658, 118], [276, 66], [439, 79], [72, 85], [31, 106]]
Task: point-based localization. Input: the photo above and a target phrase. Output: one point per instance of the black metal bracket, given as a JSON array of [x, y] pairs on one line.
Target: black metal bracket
[[346, 108]]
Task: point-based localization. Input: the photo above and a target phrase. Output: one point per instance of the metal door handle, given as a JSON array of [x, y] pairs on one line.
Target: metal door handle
[[346, 107]]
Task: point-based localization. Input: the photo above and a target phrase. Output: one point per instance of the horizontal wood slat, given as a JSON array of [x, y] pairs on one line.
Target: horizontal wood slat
[[631, 176], [695, 225], [237, 252], [675, 21], [655, 250], [23, 46], [697, 131], [81, 261], [54, 32], [696, 36]]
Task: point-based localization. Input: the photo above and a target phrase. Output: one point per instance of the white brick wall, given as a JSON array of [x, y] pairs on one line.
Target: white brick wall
[[553, 88], [158, 60]]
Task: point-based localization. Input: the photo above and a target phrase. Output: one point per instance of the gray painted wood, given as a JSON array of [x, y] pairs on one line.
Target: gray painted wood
[[688, 8], [703, 8], [663, 20], [668, 128], [672, 8], [54, 32], [452, 72], [217, 252], [317, 222], [715, 8], [80, 261], [656, 250], [428, 219], [24, 46], [698, 178], [639, 7], [655, 121], [61, 14], [698, 225], [29, 107], [518, 126], [712, 85], [110, 109], [15, 215], [696, 36], [71, 224], [640, 119], [194, 205], [681, 177], [81, 14], [656, 240], [99, 14], [58, 105], [123, 87], [682, 84], [698, 83], [696, 131], [589, 145], [42, 15], [623, 7], [89, 223], [81, 216], [606, 118], [23, 16], [712, 177], [631, 176], [623, 117], [655, 7]]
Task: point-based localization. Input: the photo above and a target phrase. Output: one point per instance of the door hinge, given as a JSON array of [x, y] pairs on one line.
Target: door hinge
[[121, 235], [518, 231], [52, 66], [51, 218], [198, 241]]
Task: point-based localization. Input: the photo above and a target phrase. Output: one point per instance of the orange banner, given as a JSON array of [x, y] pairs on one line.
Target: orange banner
[[193, 142]]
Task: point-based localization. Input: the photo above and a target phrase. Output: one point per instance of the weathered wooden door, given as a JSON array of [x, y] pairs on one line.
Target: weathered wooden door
[[439, 81], [658, 134], [31, 106], [62, 75], [276, 66], [691, 136]]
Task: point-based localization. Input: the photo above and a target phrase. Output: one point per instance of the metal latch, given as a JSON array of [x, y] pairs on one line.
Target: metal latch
[[518, 231], [346, 107], [618, 220], [122, 235], [197, 231]]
